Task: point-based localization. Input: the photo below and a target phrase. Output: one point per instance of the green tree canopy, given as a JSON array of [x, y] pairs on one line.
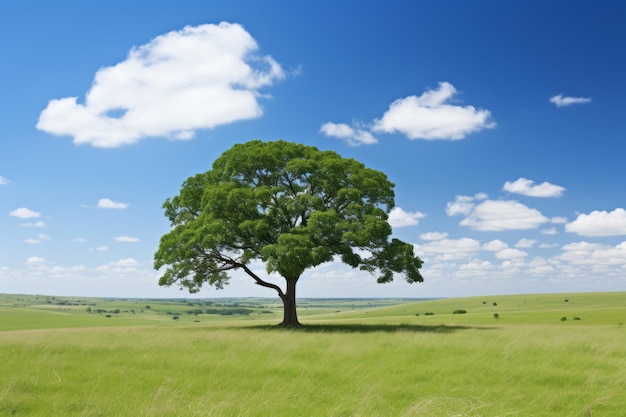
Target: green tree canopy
[[291, 206]]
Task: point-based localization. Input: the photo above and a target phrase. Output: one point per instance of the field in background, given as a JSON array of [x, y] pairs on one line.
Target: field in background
[[544, 355]]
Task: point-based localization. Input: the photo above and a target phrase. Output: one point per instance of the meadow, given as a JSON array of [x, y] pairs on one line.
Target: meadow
[[518, 355]]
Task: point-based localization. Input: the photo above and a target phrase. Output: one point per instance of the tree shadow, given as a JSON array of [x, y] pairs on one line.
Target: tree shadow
[[372, 328]]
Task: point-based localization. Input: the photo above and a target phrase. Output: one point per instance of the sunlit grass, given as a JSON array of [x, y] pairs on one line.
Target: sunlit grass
[[371, 362]]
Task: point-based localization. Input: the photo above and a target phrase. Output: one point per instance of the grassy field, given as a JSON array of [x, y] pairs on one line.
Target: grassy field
[[545, 355]]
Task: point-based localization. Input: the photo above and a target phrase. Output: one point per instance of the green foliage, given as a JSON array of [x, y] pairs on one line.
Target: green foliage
[[459, 312], [291, 206], [496, 315]]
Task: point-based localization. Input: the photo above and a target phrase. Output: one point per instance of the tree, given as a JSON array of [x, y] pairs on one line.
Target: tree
[[291, 206]]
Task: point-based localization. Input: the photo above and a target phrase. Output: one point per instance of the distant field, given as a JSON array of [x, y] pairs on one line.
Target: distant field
[[544, 355]]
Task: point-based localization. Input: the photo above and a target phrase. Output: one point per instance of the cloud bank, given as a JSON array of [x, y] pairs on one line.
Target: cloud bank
[[197, 78]]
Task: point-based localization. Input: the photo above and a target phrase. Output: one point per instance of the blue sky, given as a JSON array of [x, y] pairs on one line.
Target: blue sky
[[502, 125]]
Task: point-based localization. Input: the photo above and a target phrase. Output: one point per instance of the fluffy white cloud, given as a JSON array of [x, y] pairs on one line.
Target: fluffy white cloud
[[462, 204], [431, 117], [353, 136], [510, 254], [549, 231], [35, 260], [448, 249], [562, 101], [528, 188], [401, 218], [24, 213], [599, 223], [3, 181], [127, 239], [433, 236], [197, 78], [102, 248], [499, 215], [525, 243], [495, 245], [105, 203], [125, 262], [594, 254]]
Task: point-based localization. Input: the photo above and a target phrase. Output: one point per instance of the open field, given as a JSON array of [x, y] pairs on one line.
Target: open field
[[353, 358]]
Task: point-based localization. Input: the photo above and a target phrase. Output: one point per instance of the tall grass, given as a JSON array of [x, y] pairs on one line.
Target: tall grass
[[395, 364]]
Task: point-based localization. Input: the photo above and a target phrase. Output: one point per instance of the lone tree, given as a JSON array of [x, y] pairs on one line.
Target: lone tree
[[288, 205]]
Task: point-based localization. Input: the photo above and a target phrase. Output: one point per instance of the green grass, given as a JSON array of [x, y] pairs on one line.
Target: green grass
[[350, 360]]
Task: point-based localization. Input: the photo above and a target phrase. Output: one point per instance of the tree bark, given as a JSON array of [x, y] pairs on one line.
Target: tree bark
[[290, 315]]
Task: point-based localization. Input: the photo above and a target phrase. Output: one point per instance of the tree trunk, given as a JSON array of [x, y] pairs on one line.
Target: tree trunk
[[290, 315]]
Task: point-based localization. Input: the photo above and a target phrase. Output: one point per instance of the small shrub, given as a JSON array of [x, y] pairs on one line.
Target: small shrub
[[108, 315], [577, 318], [429, 313], [459, 312], [563, 318], [417, 314], [495, 304], [566, 300], [496, 315], [175, 318], [484, 302]]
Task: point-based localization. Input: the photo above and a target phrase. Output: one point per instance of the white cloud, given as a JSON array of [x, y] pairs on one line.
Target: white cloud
[[462, 204], [433, 236], [594, 254], [448, 249], [495, 245], [562, 101], [38, 223], [197, 78], [548, 245], [558, 220], [352, 136], [599, 223], [525, 243], [40, 238], [528, 188], [549, 231], [24, 213], [105, 203], [79, 240], [102, 248], [430, 117], [125, 262], [510, 254], [3, 181], [499, 215], [35, 260], [126, 239], [401, 218]]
